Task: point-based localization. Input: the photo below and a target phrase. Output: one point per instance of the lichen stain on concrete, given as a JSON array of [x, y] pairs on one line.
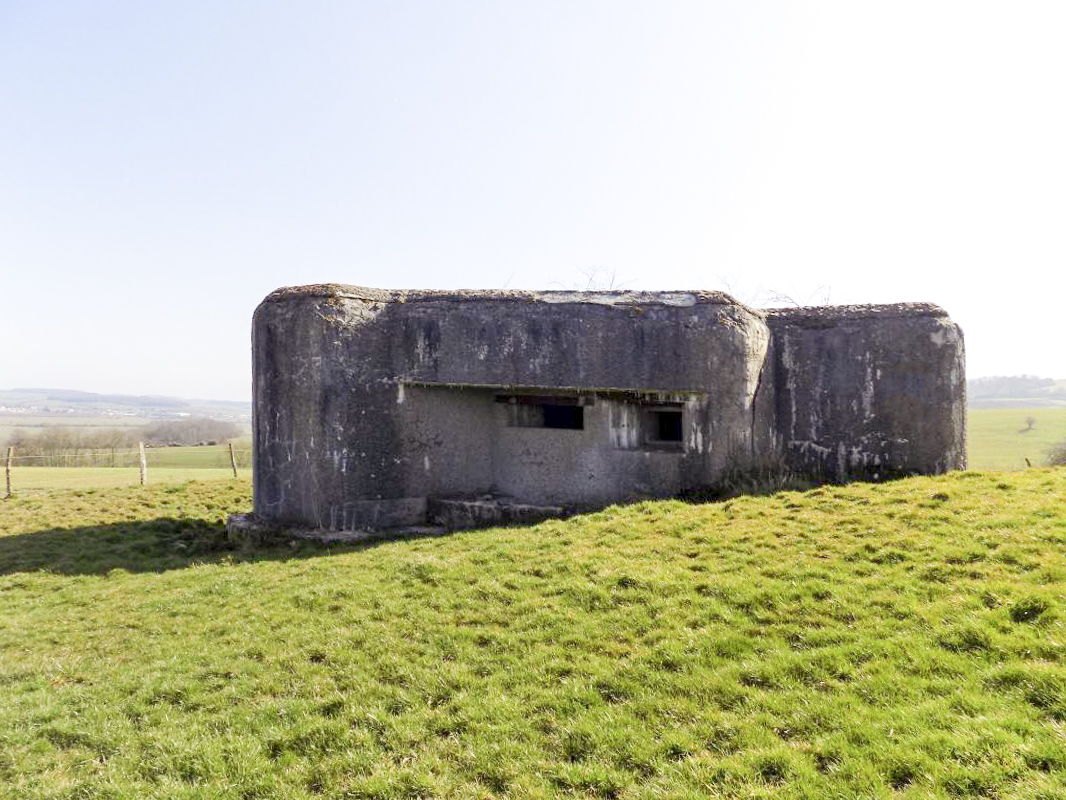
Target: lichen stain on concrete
[[369, 404]]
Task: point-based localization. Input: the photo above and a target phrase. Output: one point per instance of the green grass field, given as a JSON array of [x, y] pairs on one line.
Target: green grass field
[[200, 457], [165, 465], [906, 639], [36, 479], [10, 423], [998, 439]]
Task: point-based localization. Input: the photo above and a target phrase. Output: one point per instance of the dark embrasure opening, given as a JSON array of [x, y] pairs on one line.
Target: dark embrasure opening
[[565, 417], [669, 426]]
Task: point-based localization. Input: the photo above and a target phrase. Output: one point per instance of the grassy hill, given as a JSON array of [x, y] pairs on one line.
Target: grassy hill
[[900, 640]]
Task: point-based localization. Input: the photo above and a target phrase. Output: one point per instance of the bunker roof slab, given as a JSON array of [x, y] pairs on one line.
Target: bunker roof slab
[[680, 298]]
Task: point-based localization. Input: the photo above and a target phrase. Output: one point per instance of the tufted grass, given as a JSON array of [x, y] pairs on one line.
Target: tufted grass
[[899, 640]]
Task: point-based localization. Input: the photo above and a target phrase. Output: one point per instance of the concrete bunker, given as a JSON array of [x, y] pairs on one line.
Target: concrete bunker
[[380, 409]]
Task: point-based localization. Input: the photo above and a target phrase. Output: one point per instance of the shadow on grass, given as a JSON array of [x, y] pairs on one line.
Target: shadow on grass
[[169, 543], [154, 545]]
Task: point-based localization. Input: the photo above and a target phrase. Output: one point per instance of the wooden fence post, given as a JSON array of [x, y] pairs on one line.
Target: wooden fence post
[[7, 471], [144, 464], [232, 460]]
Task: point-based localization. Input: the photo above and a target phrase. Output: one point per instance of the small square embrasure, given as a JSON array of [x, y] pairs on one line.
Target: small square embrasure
[[662, 428], [565, 417], [668, 424], [545, 411]]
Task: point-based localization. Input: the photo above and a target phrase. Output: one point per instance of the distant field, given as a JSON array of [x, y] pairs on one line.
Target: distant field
[[200, 457], [52, 420], [33, 479], [9, 423], [173, 458], [998, 439]]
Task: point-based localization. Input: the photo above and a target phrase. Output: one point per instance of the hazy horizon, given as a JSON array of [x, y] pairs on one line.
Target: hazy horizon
[[248, 399]]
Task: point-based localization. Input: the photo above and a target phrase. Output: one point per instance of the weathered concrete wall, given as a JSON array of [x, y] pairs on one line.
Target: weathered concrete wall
[[444, 442], [367, 403], [458, 440], [347, 432], [869, 392], [585, 467]]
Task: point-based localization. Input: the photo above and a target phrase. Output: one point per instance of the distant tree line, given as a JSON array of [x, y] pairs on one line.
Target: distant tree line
[[60, 445], [189, 431], [1014, 386]]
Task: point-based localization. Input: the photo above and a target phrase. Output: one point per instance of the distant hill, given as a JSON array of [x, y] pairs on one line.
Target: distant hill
[[73, 402], [1015, 391], [76, 396]]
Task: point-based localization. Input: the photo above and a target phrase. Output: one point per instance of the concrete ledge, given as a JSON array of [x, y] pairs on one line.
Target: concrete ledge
[[375, 514], [246, 530], [458, 513], [444, 515], [810, 314]]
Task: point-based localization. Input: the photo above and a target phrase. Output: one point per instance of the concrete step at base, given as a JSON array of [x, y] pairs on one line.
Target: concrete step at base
[[458, 513]]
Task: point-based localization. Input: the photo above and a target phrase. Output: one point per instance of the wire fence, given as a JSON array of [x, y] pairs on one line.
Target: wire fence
[[92, 469], [192, 457]]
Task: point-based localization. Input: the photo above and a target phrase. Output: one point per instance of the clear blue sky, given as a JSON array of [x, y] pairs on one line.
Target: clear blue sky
[[164, 165]]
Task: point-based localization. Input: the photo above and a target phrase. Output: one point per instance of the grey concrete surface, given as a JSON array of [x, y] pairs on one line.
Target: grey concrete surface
[[869, 392], [368, 403]]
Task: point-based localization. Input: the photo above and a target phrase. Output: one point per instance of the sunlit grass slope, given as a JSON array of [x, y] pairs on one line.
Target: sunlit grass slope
[[900, 640], [999, 438]]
